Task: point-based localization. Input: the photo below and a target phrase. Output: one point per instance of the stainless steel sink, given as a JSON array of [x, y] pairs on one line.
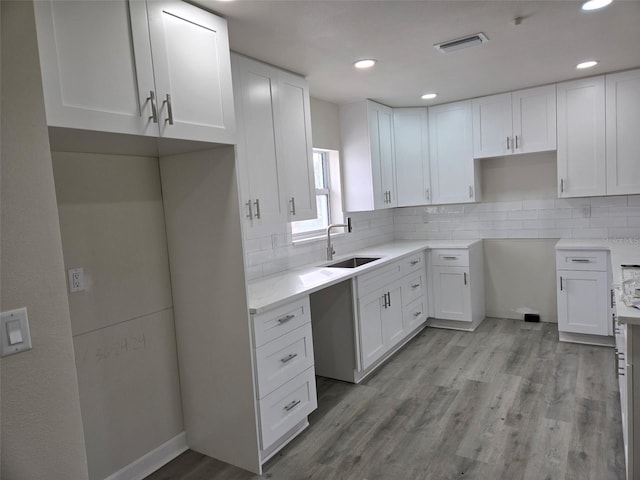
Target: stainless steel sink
[[353, 262]]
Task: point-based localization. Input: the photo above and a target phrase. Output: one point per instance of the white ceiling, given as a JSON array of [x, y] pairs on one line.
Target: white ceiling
[[322, 39]]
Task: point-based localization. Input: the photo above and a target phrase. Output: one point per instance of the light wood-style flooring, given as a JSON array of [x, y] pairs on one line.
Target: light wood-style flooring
[[507, 401]]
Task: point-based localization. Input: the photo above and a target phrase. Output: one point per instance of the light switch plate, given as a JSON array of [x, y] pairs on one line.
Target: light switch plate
[[12, 320]]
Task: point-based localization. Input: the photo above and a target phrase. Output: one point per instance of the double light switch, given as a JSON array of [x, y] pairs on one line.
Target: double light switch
[[14, 331]]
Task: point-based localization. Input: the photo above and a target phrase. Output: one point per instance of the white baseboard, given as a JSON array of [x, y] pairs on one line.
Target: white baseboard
[[152, 461]]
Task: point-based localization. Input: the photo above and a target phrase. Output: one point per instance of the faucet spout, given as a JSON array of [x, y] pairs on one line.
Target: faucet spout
[[330, 251]]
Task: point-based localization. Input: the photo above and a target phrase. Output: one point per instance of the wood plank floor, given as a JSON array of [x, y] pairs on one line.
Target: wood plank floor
[[507, 401]]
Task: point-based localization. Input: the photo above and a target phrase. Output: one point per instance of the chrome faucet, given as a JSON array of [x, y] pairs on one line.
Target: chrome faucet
[[330, 250]]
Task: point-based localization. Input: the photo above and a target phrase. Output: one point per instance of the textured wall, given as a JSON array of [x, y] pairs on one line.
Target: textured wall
[[41, 425]]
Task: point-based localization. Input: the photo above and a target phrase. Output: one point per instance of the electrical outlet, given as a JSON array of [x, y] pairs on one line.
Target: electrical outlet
[[76, 280], [586, 211]]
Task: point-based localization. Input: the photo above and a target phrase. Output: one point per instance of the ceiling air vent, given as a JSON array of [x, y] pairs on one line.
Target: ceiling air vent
[[460, 43]]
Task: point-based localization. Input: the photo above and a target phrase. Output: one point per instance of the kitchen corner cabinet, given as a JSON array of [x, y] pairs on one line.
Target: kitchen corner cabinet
[[453, 168], [156, 68], [411, 142], [584, 296], [457, 279], [518, 122], [368, 161], [274, 144], [598, 142]]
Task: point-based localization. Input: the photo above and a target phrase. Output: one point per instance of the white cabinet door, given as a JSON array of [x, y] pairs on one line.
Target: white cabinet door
[[190, 49], [581, 138], [260, 177], [295, 146], [372, 345], [582, 302], [411, 142], [623, 132], [451, 292], [451, 153], [96, 65], [492, 126], [534, 119], [392, 318], [382, 158]]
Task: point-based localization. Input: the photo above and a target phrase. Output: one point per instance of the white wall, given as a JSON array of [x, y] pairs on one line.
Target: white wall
[[112, 224], [42, 434]]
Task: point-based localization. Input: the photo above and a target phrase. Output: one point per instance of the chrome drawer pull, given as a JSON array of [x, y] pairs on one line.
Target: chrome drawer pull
[[450, 258], [289, 357], [415, 286], [415, 262], [417, 314], [580, 260], [286, 319], [292, 405]]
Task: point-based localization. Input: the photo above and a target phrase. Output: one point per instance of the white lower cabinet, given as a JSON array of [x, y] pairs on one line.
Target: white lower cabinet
[[284, 372], [584, 296], [391, 303], [457, 279]]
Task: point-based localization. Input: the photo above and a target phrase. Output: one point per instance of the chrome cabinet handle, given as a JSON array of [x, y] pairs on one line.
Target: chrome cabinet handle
[[465, 277], [169, 119], [415, 285], [516, 142], [250, 214], [580, 260], [561, 284], [154, 110], [286, 319], [449, 258], [428, 194], [289, 357], [257, 204], [417, 314], [415, 262], [508, 146], [292, 405], [293, 205], [389, 295], [562, 185], [470, 191]]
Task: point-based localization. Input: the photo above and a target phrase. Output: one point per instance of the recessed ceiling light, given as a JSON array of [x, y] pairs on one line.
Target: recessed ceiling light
[[429, 96], [587, 64], [367, 63], [595, 4]]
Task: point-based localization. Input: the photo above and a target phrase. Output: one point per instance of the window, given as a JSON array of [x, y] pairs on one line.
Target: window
[[328, 196]]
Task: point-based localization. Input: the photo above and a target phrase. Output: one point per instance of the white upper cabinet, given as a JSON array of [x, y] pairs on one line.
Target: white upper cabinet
[[99, 72], [411, 140], [295, 144], [623, 132], [368, 156], [261, 176], [517, 122], [453, 176], [190, 51], [581, 138], [275, 158]]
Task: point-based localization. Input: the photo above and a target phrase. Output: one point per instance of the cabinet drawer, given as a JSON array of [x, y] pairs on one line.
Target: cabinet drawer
[[595, 260], [450, 257], [414, 314], [282, 409], [378, 278], [413, 263], [280, 360], [413, 287], [275, 323]]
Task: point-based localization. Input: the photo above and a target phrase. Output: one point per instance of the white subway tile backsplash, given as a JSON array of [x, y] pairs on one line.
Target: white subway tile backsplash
[[620, 201], [609, 221], [633, 200], [522, 215]]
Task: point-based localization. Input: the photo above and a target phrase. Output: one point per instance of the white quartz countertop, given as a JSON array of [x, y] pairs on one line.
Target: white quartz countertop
[[623, 252], [274, 290]]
